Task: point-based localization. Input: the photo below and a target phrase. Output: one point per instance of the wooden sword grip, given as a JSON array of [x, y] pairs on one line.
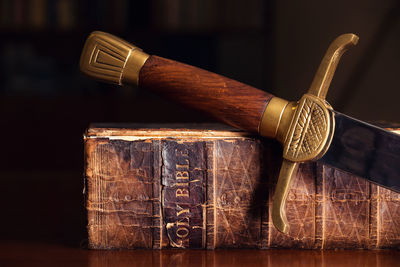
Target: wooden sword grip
[[108, 58], [230, 101]]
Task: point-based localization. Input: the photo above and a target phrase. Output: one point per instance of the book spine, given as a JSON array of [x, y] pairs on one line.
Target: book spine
[[122, 194], [157, 227], [346, 210], [385, 218], [184, 193], [217, 193], [240, 198]]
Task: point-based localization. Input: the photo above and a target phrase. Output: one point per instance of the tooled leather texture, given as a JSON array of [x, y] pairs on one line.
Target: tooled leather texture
[[134, 201]]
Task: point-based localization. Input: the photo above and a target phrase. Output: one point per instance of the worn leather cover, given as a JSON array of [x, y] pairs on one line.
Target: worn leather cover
[[206, 187]]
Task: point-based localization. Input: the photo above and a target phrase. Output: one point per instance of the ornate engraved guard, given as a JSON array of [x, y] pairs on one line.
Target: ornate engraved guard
[[305, 128], [311, 130]]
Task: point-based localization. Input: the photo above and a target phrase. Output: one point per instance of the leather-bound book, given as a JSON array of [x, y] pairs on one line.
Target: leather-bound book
[[186, 186]]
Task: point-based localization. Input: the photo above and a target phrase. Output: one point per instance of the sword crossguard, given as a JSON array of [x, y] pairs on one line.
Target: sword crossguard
[[305, 128]]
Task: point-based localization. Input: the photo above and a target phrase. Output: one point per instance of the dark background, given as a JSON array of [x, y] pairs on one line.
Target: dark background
[[46, 104]]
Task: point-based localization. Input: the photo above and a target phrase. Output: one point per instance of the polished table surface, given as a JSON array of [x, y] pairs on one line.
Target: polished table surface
[[19, 253]]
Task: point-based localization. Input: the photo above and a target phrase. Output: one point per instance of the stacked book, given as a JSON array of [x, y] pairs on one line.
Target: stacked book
[[211, 187]]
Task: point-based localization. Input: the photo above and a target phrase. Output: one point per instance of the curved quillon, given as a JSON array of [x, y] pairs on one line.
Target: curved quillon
[[305, 128]]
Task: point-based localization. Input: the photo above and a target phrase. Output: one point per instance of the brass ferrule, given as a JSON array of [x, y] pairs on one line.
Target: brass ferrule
[[277, 118], [133, 65]]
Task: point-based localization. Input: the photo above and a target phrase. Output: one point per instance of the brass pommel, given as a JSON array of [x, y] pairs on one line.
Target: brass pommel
[[305, 128], [108, 58]]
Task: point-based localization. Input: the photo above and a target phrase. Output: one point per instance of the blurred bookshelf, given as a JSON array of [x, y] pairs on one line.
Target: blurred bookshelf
[[42, 89], [119, 15], [41, 39]]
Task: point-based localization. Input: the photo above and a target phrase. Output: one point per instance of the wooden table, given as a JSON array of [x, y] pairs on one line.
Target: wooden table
[[21, 253]]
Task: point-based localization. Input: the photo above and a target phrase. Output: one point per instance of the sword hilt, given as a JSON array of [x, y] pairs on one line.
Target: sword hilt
[[111, 59], [305, 128]]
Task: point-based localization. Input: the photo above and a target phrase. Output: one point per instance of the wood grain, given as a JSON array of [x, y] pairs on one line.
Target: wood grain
[[43, 254], [229, 101]]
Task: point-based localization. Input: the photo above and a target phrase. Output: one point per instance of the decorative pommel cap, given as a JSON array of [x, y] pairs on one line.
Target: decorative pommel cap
[[108, 58], [305, 128]]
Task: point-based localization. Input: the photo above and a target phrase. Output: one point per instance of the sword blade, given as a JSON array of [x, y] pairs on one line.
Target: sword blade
[[366, 151]]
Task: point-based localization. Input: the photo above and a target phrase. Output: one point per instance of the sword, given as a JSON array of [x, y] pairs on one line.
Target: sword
[[309, 129]]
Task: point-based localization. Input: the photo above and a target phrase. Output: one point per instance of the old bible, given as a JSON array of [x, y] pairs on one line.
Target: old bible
[[208, 186]]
